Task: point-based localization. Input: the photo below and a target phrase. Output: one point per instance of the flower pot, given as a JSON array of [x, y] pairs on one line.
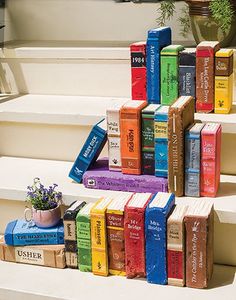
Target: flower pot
[[46, 218]]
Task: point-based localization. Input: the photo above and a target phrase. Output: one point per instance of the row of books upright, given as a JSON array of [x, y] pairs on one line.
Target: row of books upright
[[162, 72]]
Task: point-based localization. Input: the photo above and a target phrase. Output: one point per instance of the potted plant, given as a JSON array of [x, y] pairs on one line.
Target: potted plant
[[45, 204]]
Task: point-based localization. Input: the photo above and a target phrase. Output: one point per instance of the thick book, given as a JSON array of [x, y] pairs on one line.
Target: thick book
[[176, 246], [83, 227], [157, 39], [134, 231], [90, 151], [70, 232], [199, 224], [161, 141], [157, 212], [148, 154], [115, 233], [205, 81], [138, 71], [99, 177], [170, 74], [42, 255], [130, 129], [210, 159], [22, 233], [224, 62], [181, 115], [99, 237], [193, 160]]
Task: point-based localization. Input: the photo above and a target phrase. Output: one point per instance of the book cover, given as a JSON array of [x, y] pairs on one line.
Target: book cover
[[148, 155], [134, 232], [115, 233], [130, 128], [161, 141], [157, 212], [205, 87], [199, 224], [90, 151], [210, 159], [193, 160], [22, 233], [157, 39], [138, 71], [170, 74], [181, 115]]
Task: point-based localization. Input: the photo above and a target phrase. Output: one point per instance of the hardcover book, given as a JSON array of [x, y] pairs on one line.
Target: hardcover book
[[193, 160], [210, 159], [130, 128], [157, 39], [115, 233], [148, 154], [205, 87], [90, 151], [181, 115], [157, 212], [199, 224], [176, 246], [134, 231], [170, 74], [138, 71]]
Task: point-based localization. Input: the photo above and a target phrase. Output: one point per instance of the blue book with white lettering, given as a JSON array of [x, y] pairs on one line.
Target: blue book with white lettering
[[23, 233], [156, 215], [157, 39], [90, 151]]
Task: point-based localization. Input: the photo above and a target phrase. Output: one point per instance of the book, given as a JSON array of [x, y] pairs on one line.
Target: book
[[193, 160], [130, 129], [157, 212], [134, 232], [138, 71], [181, 115], [199, 224], [22, 233], [170, 74], [224, 62], [157, 39], [70, 231], [148, 154], [42, 255], [83, 227], [205, 60], [115, 233], [90, 151], [161, 141], [176, 246], [99, 177], [99, 237], [210, 159]]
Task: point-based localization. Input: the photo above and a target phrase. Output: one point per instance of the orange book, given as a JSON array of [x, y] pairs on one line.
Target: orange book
[[130, 127]]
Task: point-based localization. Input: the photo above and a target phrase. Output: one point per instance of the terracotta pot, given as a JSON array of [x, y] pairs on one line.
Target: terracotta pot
[[44, 218]]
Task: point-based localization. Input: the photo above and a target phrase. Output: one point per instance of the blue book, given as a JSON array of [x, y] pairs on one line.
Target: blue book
[[156, 215], [157, 39], [90, 151], [22, 233], [161, 141]]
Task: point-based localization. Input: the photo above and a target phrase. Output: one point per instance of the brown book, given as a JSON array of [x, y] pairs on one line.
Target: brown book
[[199, 224], [181, 115]]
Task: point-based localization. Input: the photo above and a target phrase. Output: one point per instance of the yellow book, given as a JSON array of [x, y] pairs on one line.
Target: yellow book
[[99, 237], [223, 94]]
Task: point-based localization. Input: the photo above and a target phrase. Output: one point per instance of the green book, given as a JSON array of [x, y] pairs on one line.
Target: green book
[[84, 238], [170, 74]]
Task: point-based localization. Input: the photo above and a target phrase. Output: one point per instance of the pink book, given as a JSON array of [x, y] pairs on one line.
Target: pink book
[[210, 159]]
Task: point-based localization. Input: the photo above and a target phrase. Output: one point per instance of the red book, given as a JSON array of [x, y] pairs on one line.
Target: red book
[[138, 70], [210, 159], [134, 232]]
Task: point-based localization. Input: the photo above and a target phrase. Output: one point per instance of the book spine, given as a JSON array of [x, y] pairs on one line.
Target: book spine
[[71, 243], [161, 148], [40, 238], [148, 156], [223, 94], [187, 81], [138, 72]]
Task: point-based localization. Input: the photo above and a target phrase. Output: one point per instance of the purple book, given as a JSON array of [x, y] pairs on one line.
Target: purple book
[[99, 177]]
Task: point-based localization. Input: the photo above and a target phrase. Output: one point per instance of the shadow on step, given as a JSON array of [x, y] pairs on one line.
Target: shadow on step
[[222, 276], [227, 189]]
